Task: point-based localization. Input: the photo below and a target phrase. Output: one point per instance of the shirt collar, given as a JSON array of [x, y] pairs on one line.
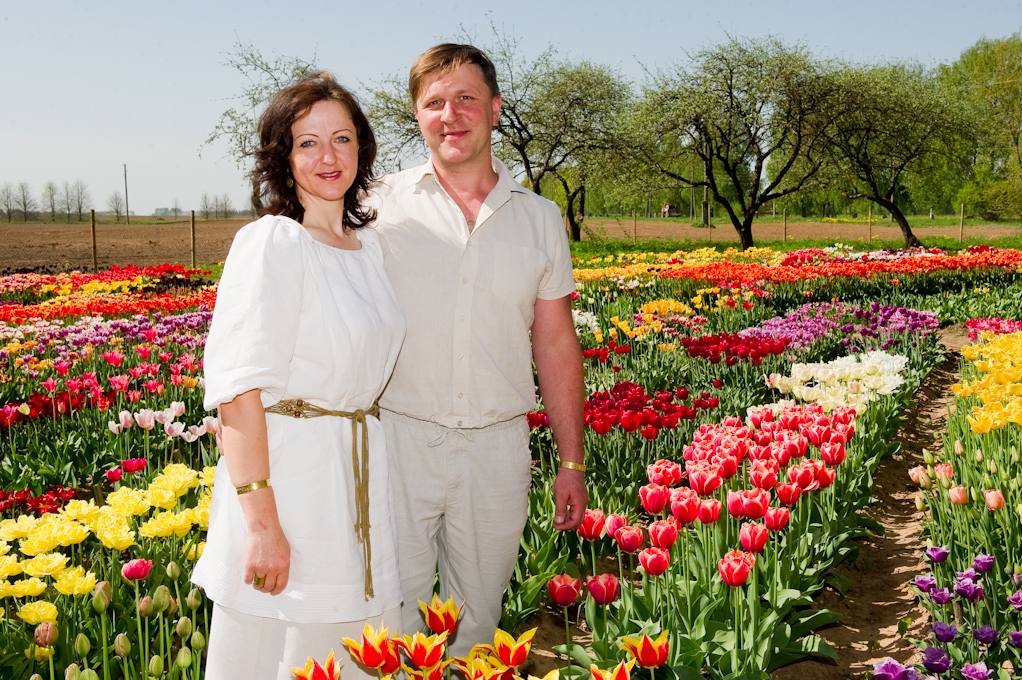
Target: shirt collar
[[504, 178]]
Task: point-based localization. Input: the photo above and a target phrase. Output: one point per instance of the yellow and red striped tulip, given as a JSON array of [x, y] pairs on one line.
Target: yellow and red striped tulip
[[441, 617], [623, 671], [648, 652], [373, 650], [512, 653], [331, 670], [478, 666], [424, 652], [431, 673]]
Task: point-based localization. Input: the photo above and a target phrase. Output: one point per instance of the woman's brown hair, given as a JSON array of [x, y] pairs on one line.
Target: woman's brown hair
[[271, 194]]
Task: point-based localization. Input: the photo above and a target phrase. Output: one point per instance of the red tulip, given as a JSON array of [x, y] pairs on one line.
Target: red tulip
[[655, 561], [629, 421], [788, 494], [665, 472], [564, 589], [825, 476], [763, 474], [113, 475], [709, 511], [663, 534], [777, 518], [604, 588], [704, 478], [592, 524], [833, 454], [735, 507], [654, 498], [753, 536], [684, 505], [136, 570], [804, 474], [735, 567], [133, 465], [629, 539], [650, 432], [614, 522]]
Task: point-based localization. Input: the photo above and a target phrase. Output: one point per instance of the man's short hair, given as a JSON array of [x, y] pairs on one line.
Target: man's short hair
[[443, 60]]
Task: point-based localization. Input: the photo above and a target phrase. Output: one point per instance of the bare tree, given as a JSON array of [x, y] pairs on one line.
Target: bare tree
[[237, 126], [175, 209], [8, 200], [66, 200], [50, 199], [226, 206], [207, 206], [115, 202], [80, 197], [25, 199]]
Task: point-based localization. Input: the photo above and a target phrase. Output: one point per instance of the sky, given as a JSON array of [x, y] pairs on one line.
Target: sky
[[87, 87]]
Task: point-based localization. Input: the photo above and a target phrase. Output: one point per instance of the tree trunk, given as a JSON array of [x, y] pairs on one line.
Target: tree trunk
[[910, 239], [745, 233]]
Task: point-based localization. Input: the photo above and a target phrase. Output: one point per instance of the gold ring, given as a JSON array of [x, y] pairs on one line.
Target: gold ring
[[258, 581]]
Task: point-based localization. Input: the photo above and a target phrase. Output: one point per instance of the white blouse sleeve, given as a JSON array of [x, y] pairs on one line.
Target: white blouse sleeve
[[255, 321]]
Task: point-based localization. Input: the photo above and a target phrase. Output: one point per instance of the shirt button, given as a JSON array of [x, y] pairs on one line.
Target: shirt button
[[459, 423], [460, 395], [465, 280], [461, 358], [462, 317]]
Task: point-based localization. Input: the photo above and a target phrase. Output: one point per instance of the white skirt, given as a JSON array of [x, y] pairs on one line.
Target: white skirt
[[259, 648]]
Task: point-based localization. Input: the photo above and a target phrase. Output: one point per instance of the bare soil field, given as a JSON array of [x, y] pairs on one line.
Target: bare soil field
[[768, 231], [60, 247]]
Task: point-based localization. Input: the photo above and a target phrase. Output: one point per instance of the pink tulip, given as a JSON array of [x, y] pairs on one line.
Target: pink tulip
[[126, 420], [994, 499], [113, 475], [959, 495], [136, 570], [146, 419], [178, 407]]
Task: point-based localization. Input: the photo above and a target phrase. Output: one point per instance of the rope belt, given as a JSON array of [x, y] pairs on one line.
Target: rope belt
[[298, 408]]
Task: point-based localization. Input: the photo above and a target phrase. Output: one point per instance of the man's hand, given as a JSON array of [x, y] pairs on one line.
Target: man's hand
[[570, 499]]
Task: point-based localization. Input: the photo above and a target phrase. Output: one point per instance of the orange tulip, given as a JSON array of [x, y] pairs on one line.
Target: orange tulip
[[623, 671], [331, 670], [373, 650], [648, 652], [424, 652], [441, 617], [512, 653]]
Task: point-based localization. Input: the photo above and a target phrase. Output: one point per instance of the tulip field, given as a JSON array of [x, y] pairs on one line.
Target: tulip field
[[739, 404]]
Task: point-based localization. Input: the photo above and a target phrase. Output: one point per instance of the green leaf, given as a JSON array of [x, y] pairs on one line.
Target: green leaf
[[904, 624], [838, 582], [812, 621]]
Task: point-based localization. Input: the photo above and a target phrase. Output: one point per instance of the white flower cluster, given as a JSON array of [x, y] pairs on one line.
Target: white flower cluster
[[584, 319], [853, 380]]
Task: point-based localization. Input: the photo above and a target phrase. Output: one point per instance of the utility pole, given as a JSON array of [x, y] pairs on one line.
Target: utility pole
[[127, 213]]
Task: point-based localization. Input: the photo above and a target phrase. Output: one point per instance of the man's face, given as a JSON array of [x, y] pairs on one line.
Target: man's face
[[456, 115]]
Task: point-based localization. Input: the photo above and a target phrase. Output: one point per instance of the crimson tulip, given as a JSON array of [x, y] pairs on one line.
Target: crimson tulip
[[113, 475], [763, 474], [654, 498], [604, 588], [709, 511], [753, 536], [777, 518], [663, 534], [136, 570], [655, 561], [592, 525], [735, 567], [788, 494], [629, 539], [833, 454], [564, 589], [684, 505], [704, 478]]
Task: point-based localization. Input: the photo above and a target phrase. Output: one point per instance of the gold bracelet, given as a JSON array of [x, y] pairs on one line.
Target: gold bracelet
[[567, 464], [245, 488]]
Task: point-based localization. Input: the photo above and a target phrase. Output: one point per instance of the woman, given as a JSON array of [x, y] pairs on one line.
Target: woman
[[301, 546]]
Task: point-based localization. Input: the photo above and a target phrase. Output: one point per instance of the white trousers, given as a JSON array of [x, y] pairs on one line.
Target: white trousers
[[461, 500], [259, 648]]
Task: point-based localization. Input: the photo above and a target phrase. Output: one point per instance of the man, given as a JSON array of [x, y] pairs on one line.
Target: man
[[477, 263]]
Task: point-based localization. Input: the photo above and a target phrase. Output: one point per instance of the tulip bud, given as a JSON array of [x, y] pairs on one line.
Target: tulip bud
[[979, 455], [88, 674], [122, 646], [184, 658], [993, 467], [173, 571], [101, 597], [145, 606], [82, 645], [161, 599], [72, 672], [927, 457], [47, 634], [1014, 454], [171, 607], [35, 676], [194, 598], [959, 449], [156, 666], [184, 627], [920, 503], [198, 641]]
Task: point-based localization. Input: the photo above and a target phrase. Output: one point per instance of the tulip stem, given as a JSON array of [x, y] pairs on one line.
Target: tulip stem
[[567, 638], [106, 655], [138, 621]]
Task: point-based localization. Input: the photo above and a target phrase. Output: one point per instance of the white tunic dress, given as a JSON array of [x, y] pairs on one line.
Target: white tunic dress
[[298, 319]]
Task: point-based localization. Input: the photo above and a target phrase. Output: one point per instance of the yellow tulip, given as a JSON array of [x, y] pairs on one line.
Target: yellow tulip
[[44, 565], [38, 612]]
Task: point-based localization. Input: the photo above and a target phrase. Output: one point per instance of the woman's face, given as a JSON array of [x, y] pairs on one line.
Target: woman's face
[[324, 158]]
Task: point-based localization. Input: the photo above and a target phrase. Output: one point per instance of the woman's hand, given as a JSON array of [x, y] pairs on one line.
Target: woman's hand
[[267, 554]]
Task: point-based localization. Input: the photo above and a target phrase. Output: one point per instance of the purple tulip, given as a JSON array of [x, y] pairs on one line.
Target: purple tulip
[[976, 671], [969, 573], [1015, 639], [925, 582], [1015, 600], [936, 660], [983, 563], [985, 635], [940, 595], [889, 669], [944, 632], [937, 554], [969, 589]]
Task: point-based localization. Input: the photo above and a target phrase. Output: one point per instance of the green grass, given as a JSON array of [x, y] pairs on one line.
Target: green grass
[[915, 221], [588, 249]]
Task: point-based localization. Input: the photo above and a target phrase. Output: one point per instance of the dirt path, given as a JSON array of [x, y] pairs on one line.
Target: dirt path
[[879, 598]]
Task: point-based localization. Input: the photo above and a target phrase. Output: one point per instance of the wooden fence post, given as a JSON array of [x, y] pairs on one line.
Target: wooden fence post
[[784, 236], [92, 222], [634, 224], [192, 228], [869, 224], [961, 225]]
